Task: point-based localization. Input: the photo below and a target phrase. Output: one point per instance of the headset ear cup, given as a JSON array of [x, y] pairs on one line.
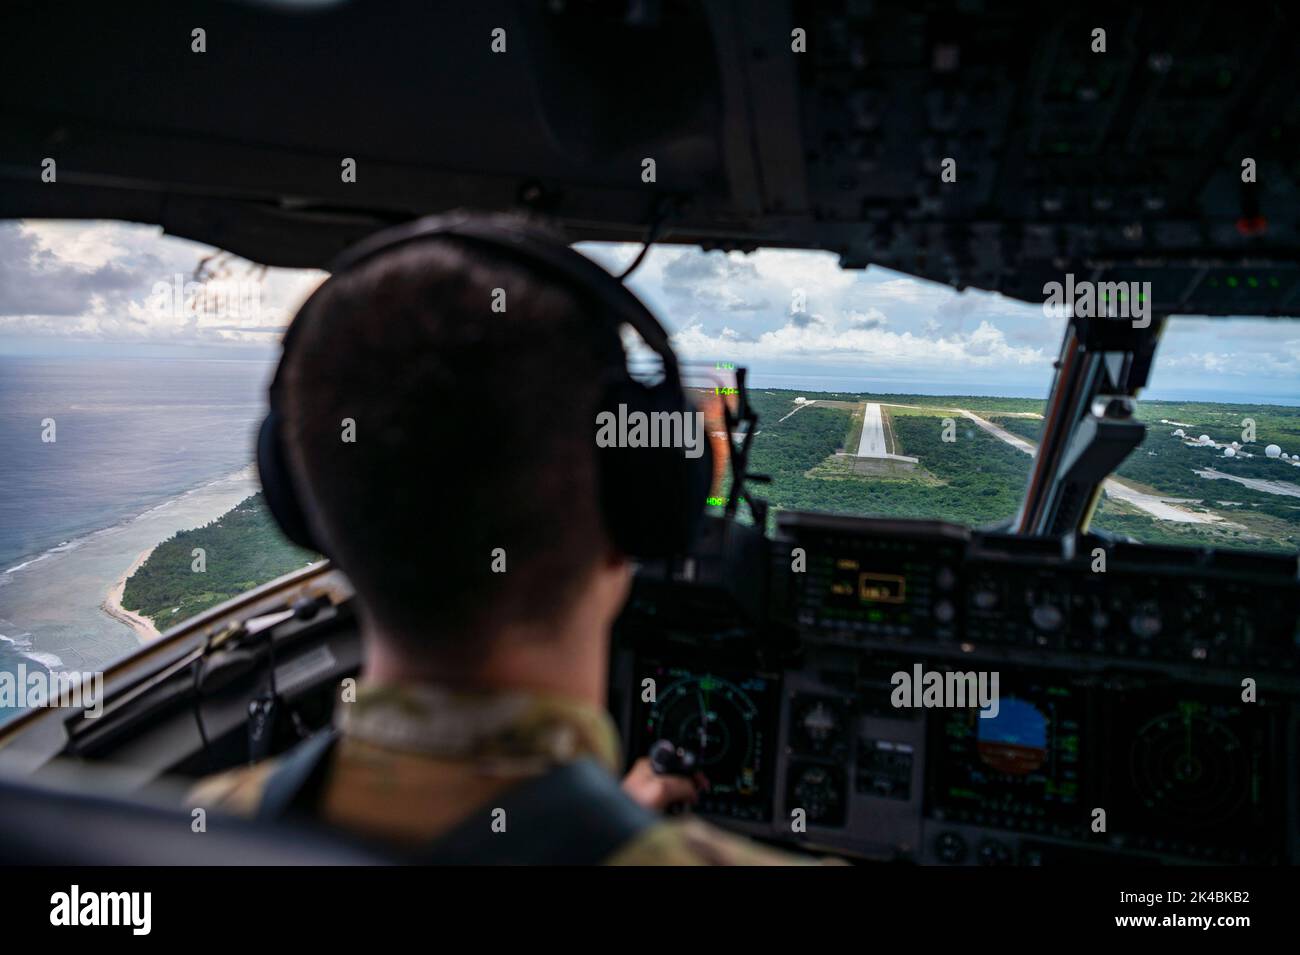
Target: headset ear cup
[[277, 486], [652, 497]]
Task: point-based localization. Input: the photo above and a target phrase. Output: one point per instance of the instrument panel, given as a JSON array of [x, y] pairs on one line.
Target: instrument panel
[[899, 586], [726, 720], [1145, 713]]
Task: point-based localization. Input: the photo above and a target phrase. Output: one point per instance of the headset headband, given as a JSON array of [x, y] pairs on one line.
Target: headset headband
[[530, 246], [629, 482]]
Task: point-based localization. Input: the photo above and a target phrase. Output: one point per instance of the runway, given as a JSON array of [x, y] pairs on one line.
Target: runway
[[872, 443]]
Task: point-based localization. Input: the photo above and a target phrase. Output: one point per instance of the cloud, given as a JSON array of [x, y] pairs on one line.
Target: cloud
[[86, 244], [1230, 347], [714, 280], [872, 347], [872, 318], [803, 320], [773, 309], [911, 292], [34, 280], [776, 307], [115, 283]]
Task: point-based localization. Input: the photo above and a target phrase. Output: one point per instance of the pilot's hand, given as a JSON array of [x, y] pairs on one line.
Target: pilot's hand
[[659, 793]]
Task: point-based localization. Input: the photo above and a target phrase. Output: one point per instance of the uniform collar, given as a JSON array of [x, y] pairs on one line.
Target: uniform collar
[[519, 730]]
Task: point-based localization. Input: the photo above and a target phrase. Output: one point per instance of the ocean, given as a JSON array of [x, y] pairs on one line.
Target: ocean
[[142, 448]]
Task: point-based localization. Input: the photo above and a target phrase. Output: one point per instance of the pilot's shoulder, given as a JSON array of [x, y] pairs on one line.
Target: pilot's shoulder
[[236, 791], [691, 841]]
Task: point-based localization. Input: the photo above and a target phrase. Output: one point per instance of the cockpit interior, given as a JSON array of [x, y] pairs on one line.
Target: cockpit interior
[[1128, 701]]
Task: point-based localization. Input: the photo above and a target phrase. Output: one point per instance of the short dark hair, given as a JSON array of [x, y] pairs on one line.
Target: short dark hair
[[474, 430]]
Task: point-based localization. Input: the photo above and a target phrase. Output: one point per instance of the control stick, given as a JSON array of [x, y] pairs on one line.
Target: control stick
[[669, 759]]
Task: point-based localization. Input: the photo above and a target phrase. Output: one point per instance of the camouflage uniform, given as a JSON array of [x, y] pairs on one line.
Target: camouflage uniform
[[414, 761]]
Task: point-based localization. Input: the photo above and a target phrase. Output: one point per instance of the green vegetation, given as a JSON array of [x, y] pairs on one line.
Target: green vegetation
[[975, 479], [1164, 464], [978, 479], [1122, 521], [1031, 429], [242, 549]]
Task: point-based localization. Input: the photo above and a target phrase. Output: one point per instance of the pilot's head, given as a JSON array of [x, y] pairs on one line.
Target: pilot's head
[[437, 419]]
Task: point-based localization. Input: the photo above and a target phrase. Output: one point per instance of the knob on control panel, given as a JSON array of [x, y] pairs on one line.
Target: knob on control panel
[[993, 852], [950, 848]]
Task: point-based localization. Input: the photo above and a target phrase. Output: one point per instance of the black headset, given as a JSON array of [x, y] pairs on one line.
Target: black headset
[[651, 498]]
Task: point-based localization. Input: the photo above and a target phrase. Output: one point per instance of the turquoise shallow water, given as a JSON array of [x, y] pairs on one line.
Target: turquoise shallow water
[[50, 606], [145, 447]]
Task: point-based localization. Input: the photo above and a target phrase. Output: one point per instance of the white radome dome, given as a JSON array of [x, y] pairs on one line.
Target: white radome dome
[[1229, 452], [1180, 433], [1204, 439], [1273, 451]]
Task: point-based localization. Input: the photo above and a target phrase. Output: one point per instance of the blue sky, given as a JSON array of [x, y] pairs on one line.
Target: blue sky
[[793, 317]]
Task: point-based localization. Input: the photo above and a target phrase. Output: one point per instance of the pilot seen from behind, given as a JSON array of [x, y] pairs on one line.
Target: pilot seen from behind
[[466, 512]]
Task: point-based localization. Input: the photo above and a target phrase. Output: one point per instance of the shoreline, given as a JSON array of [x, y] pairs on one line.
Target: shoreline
[[248, 473], [144, 628], [69, 604]]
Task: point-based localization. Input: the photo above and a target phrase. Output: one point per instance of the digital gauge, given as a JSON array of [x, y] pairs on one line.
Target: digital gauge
[[722, 719], [868, 580], [1187, 764], [1019, 769], [1195, 773]]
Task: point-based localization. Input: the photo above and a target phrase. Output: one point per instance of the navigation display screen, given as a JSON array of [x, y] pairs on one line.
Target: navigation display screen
[[725, 721]]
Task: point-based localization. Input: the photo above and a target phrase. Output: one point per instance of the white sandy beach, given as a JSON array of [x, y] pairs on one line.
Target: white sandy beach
[[143, 626], [58, 603]]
